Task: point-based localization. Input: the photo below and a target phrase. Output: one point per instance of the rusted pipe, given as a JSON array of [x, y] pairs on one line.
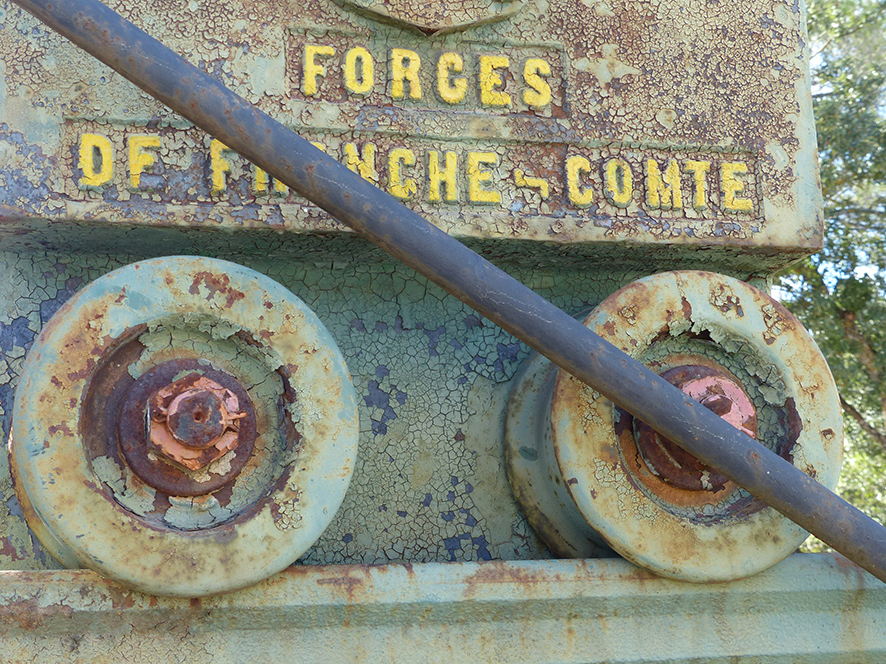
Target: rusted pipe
[[406, 235]]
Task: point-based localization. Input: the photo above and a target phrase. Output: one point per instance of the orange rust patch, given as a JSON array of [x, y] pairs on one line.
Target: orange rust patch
[[84, 372], [8, 550], [216, 284]]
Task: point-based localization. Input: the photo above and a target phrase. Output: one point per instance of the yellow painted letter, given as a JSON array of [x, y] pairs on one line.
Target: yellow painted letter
[[490, 79], [364, 165], [437, 177], [731, 186], [619, 187], [699, 170], [540, 94], [578, 196], [359, 85], [219, 165], [312, 69], [663, 193], [404, 67], [141, 156], [261, 184], [96, 160], [523, 180], [400, 188], [451, 89], [477, 176]]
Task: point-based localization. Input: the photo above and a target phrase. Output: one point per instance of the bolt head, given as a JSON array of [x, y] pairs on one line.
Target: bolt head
[[195, 418], [193, 422]]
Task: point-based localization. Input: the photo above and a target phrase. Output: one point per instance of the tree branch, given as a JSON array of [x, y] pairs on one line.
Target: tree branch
[[867, 356], [866, 426]]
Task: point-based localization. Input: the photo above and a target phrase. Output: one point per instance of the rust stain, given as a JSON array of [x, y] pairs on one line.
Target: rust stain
[[85, 372], [8, 551], [496, 572], [349, 585], [60, 428], [216, 284]]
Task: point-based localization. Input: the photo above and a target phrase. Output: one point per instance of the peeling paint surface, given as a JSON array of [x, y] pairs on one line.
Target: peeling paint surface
[[431, 377], [813, 609], [580, 144], [432, 382], [68, 465], [682, 521], [576, 124]]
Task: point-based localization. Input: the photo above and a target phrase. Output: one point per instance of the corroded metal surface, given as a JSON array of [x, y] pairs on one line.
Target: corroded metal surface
[[409, 237], [809, 610], [579, 464], [132, 425], [377, 216], [432, 380], [718, 391], [192, 415], [217, 314], [165, 170], [574, 123]]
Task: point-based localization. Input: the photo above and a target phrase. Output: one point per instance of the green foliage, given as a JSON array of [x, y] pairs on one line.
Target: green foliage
[[840, 294]]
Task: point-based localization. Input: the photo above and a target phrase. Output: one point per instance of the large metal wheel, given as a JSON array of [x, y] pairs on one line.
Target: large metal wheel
[[184, 425], [587, 473]]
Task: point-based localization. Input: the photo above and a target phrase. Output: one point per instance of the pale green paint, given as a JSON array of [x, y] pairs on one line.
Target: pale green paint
[[810, 609]]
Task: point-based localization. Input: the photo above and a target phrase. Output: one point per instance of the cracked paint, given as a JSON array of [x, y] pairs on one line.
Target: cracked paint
[[580, 144], [590, 477], [497, 120], [430, 486]]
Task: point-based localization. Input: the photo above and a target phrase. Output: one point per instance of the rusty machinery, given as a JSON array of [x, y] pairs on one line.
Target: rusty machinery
[[198, 408]]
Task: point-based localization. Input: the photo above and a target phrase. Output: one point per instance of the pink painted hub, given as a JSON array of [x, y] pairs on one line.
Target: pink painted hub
[[718, 392]]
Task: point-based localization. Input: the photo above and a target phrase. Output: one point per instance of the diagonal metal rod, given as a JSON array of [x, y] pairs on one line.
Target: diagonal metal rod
[[409, 237]]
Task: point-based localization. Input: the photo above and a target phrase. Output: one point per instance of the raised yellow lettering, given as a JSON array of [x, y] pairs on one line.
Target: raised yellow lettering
[[451, 89], [312, 69], [404, 67], [490, 80], [397, 186], [359, 79], [699, 170], [218, 165], [539, 94], [96, 161], [141, 156], [363, 165], [731, 186], [619, 182], [663, 193], [578, 195], [260, 185], [523, 180], [436, 177], [477, 176]]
